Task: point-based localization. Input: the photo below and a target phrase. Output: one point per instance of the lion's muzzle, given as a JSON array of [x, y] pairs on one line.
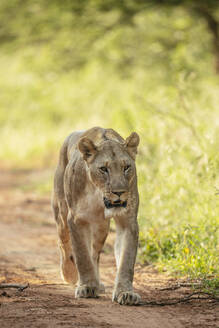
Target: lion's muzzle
[[117, 203]]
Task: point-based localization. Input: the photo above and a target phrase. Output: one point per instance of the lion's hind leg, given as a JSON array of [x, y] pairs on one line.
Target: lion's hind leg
[[67, 264]]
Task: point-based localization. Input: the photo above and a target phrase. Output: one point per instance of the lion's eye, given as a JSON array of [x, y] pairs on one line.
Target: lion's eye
[[126, 168], [103, 169]]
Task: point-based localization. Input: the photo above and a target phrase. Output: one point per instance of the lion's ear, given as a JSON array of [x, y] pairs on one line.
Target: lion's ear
[[131, 144], [87, 148]]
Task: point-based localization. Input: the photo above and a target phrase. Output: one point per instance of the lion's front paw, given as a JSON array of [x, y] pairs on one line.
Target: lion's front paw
[[127, 298], [86, 292]]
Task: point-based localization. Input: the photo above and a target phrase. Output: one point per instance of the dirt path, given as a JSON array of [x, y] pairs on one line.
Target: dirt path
[[28, 253]]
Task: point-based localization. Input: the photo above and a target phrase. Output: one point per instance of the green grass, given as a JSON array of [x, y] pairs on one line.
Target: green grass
[[168, 95]]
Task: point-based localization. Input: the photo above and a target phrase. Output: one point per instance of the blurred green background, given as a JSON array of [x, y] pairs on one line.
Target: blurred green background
[[145, 66]]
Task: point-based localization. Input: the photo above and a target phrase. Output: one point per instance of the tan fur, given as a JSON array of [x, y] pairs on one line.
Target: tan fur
[[96, 180]]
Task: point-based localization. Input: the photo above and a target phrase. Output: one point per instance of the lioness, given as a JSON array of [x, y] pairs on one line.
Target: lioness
[[96, 180]]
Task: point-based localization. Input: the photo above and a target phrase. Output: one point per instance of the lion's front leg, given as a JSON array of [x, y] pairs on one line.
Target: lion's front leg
[[125, 253], [88, 283]]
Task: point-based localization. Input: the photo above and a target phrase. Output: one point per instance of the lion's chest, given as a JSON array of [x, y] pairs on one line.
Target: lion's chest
[[90, 207]]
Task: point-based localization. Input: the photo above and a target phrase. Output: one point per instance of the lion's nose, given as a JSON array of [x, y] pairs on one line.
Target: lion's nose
[[118, 193]]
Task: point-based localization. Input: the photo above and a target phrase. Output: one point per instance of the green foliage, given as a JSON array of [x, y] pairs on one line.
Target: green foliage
[[211, 286], [72, 66], [191, 249]]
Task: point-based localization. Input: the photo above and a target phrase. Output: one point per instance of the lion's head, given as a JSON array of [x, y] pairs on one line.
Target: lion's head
[[111, 167]]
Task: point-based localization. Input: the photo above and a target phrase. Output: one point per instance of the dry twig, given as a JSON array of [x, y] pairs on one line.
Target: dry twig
[[193, 296], [181, 285], [19, 287]]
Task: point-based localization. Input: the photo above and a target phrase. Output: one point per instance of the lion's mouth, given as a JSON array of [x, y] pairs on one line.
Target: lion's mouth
[[117, 203]]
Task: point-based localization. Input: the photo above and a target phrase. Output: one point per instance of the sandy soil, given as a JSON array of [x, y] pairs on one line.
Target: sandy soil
[[28, 253]]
